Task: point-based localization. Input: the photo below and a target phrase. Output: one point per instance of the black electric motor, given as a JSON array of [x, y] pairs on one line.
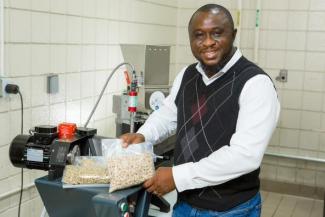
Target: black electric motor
[[44, 150], [33, 151]]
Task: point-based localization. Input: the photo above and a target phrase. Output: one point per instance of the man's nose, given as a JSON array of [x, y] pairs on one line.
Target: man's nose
[[208, 41]]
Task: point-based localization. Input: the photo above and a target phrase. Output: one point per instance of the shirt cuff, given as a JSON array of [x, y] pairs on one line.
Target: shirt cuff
[[183, 175], [142, 130]]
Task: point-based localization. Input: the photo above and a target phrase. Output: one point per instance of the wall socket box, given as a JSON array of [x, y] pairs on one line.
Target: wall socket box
[[3, 83], [283, 76], [2, 87]]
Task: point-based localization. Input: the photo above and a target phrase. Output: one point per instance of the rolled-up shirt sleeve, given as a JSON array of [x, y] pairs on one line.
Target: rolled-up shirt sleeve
[[257, 119]]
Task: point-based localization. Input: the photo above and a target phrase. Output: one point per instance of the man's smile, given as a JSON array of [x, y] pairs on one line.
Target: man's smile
[[210, 54]]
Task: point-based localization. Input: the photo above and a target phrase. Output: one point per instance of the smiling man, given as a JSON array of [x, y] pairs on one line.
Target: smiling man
[[224, 109], [212, 35]]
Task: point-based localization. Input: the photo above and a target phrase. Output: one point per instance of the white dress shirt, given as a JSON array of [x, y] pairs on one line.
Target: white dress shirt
[[259, 110]]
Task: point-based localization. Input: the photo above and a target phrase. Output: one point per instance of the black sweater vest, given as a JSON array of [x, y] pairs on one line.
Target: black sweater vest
[[206, 120]]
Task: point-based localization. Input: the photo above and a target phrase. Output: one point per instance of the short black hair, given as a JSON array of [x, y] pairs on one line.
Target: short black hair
[[211, 7]]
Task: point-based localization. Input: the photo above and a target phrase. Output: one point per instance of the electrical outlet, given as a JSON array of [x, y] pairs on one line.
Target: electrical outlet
[[2, 88], [283, 76], [3, 83]]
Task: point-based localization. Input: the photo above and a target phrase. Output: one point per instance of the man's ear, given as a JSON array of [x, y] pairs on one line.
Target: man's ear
[[234, 33]]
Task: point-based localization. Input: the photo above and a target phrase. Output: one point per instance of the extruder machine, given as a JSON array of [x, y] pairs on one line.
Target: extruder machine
[[51, 148]]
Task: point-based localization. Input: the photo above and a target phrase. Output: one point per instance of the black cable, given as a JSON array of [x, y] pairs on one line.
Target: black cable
[[22, 172], [14, 89], [22, 112]]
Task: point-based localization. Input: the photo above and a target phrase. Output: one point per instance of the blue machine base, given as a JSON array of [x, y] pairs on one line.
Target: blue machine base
[[89, 201]]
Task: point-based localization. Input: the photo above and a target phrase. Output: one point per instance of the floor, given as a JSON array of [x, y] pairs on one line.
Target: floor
[[274, 205], [283, 205]]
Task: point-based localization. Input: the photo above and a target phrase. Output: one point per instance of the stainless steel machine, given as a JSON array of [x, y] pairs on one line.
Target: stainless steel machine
[[152, 63]]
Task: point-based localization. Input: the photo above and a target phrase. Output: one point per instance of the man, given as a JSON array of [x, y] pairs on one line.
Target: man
[[225, 109]]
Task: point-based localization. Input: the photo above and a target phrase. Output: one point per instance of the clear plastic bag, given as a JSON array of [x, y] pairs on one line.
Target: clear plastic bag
[[130, 166], [87, 170], [113, 148]]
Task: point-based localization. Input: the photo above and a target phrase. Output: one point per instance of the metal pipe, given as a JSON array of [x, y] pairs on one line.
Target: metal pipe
[[132, 119], [295, 157], [257, 30], [105, 85]]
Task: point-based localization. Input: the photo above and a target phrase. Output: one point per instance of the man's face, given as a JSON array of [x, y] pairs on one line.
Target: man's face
[[211, 37]]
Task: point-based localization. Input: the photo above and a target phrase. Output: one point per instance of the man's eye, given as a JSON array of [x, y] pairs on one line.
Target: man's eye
[[199, 35], [215, 35]]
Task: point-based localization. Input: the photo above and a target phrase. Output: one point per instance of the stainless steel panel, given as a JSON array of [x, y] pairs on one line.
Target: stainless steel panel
[[154, 62], [157, 65]]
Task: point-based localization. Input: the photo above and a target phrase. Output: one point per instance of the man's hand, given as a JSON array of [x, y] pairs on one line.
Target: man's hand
[[131, 138], [162, 182]]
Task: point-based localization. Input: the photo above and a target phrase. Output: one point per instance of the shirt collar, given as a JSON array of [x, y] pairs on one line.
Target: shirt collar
[[237, 55]]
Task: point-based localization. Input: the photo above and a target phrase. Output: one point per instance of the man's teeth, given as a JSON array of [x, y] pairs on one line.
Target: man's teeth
[[210, 53]]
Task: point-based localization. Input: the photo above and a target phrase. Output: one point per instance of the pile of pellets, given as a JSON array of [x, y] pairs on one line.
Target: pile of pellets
[[86, 172], [130, 170]]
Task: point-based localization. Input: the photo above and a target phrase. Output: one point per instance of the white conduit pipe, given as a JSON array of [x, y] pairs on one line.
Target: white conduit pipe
[[257, 29], [238, 21], [1, 39], [295, 157]]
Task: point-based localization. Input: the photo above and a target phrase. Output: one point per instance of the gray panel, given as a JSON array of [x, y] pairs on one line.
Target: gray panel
[[157, 65], [52, 84]]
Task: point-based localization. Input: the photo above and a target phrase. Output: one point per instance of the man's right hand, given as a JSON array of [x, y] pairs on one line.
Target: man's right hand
[[131, 138]]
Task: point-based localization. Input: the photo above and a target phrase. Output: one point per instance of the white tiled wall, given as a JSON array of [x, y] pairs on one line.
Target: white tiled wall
[[292, 37], [79, 40]]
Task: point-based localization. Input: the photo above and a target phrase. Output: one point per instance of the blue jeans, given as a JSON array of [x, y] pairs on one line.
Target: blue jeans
[[250, 208]]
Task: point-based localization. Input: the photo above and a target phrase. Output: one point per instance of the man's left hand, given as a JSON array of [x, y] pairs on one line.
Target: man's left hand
[[162, 182]]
